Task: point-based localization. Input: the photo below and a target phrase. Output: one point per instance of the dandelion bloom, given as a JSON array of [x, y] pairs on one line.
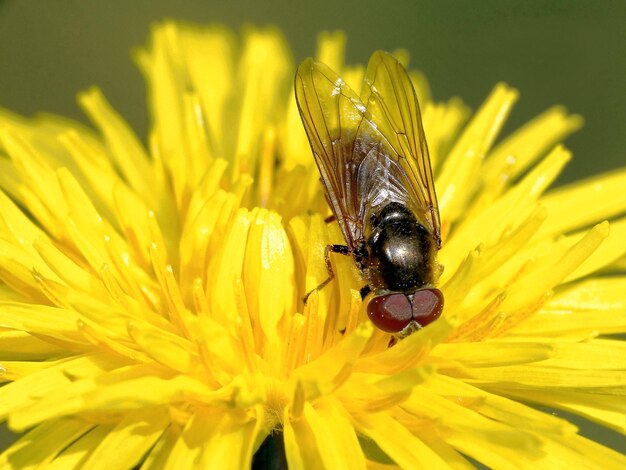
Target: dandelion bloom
[[151, 306]]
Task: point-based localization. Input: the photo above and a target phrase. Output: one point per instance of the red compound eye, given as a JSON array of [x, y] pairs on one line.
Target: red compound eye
[[393, 312], [427, 305], [390, 312]]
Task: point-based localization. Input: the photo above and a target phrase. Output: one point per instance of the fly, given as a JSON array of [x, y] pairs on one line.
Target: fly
[[373, 160]]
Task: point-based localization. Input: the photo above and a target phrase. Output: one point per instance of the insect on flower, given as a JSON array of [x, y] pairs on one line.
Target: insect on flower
[[375, 167]]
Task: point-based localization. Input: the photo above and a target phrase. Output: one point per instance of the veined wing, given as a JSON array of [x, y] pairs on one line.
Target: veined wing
[[332, 113], [392, 107]]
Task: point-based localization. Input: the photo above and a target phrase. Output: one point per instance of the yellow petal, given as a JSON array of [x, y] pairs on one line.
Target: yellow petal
[[118, 388], [300, 444], [600, 293], [497, 407], [339, 449], [609, 251], [442, 124], [397, 442], [264, 72], [608, 410], [216, 439], [407, 353], [126, 150], [44, 381], [326, 373], [553, 268], [41, 191], [55, 323], [570, 451], [225, 269], [585, 202], [546, 378], [165, 348], [493, 353], [78, 451], [366, 393], [331, 49], [584, 308], [40, 445], [463, 162], [465, 428], [126, 444], [158, 455], [21, 346], [518, 151], [493, 220], [268, 268]]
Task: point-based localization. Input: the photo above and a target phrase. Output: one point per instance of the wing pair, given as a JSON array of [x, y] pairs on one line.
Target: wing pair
[[370, 150]]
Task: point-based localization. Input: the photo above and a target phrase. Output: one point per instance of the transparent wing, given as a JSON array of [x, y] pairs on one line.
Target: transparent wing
[[332, 113], [366, 156], [392, 107]]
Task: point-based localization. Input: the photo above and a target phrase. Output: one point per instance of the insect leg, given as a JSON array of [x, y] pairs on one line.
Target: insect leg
[[342, 250], [364, 291]]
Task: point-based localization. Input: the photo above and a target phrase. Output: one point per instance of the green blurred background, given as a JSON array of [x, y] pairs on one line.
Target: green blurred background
[[555, 52]]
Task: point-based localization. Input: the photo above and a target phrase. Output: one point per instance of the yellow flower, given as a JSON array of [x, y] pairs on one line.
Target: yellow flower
[[151, 295]]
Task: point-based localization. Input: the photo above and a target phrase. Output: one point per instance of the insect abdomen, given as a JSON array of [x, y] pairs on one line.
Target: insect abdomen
[[400, 251]]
